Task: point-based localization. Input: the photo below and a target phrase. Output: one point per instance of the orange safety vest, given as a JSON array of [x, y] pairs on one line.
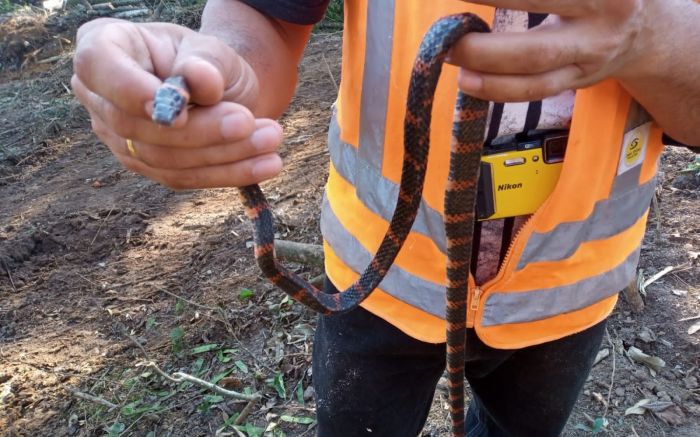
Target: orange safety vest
[[568, 262]]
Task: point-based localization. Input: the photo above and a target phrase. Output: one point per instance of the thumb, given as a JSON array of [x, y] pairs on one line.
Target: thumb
[[214, 71]]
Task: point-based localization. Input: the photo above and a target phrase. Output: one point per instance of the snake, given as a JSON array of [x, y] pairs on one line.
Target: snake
[[460, 195]]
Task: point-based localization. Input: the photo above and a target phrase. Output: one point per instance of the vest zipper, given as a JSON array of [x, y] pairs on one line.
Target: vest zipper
[[474, 298], [478, 291]]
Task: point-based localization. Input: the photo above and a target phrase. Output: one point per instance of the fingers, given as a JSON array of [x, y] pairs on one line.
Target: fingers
[[235, 164], [236, 174], [112, 63], [124, 63], [546, 49], [522, 88], [560, 54], [202, 126]]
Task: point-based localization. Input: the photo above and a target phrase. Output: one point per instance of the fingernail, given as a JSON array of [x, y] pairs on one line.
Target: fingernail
[[469, 81], [267, 167], [235, 126], [266, 138]]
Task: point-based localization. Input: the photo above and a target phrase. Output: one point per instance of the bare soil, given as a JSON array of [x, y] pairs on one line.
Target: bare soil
[[94, 259]]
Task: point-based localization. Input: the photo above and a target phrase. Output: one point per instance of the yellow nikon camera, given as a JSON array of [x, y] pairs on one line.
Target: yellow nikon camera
[[517, 176]]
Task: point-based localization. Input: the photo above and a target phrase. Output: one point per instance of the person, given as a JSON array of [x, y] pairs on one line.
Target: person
[[614, 73]]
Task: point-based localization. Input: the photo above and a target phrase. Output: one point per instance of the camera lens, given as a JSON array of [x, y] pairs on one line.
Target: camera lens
[[555, 148]]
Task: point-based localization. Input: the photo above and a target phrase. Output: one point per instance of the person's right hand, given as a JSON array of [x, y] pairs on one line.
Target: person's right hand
[[217, 142]]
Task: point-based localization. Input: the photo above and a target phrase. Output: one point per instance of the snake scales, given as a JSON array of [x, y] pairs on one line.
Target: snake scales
[[460, 194]]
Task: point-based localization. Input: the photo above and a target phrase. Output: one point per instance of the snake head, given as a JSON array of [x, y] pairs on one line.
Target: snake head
[[169, 101]]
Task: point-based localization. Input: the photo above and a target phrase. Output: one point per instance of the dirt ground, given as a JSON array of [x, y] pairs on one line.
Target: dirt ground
[[95, 259]]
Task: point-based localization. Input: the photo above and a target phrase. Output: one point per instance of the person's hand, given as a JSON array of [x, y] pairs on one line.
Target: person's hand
[[585, 41], [216, 143]]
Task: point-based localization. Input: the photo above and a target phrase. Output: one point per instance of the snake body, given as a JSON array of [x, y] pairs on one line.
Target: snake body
[[467, 138]]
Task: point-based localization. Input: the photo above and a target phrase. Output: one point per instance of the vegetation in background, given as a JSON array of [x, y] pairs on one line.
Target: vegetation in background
[[333, 21]]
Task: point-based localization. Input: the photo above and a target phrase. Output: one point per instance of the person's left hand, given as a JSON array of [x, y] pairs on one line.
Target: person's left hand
[[588, 41]]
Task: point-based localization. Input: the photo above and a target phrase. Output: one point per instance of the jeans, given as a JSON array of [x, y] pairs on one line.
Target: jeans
[[371, 379]]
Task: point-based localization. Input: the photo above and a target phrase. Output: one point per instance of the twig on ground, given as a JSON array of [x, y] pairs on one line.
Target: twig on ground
[[659, 275], [199, 305], [178, 377], [99, 228], [612, 373], [685, 319], [634, 431], [657, 215], [142, 280], [245, 412], [328, 68], [91, 398], [9, 275]]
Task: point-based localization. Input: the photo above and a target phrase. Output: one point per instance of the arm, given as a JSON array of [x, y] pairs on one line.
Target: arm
[[666, 81], [220, 142], [271, 47]]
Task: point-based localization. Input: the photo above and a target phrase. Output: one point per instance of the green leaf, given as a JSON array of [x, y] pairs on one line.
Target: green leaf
[[226, 355], [220, 376], [116, 429], [582, 427], [197, 366], [303, 420], [245, 294], [229, 422], [300, 393], [177, 336], [253, 431], [278, 384], [213, 399], [205, 348], [278, 433], [599, 425], [130, 408], [150, 323], [180, 306], [241, 366], [250, 430]]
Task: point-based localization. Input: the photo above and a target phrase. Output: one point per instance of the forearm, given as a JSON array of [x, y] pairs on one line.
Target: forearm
[[271, 48], [666, 81]]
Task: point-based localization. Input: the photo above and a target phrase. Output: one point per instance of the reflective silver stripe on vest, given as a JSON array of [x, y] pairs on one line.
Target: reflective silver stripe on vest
[[609, 217], [375, 80], [426, 295], [519, 307], [376, 192]]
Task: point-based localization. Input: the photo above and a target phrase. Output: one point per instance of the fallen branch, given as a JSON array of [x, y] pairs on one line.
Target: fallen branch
[[245, 412], [132, 14], [302, 253], [685, 319], [91, 398], [178, 377], [115, 3], [658, 276]]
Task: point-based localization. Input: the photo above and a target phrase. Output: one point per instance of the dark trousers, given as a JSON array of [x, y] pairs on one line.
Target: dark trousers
[[373, 380]]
